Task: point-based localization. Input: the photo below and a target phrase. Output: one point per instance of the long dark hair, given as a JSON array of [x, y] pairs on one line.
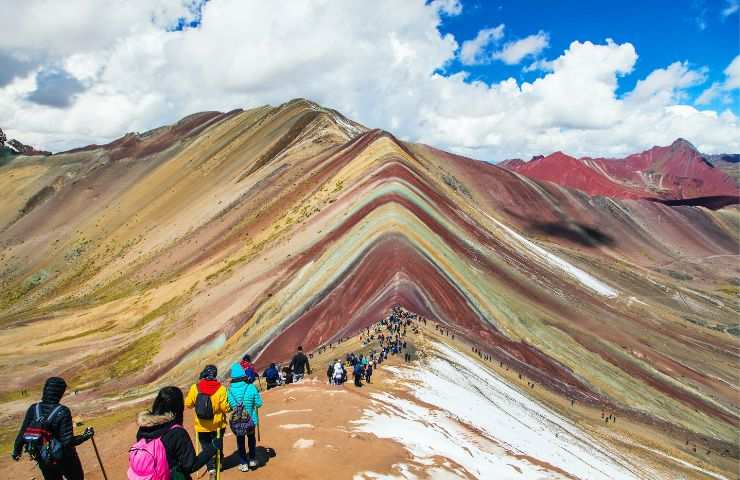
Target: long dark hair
[[169, 400]]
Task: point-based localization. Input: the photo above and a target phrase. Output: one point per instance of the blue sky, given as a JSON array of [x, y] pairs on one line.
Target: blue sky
[[662, 31], [488, 79]]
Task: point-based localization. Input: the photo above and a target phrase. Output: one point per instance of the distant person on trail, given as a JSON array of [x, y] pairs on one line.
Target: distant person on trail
[[339, 373], [208, 398], [358, 373], [368, 373], [244, 400], [299, 365], [330, 373], [163, 424], [248, 366], [272, 376], [47, 435]]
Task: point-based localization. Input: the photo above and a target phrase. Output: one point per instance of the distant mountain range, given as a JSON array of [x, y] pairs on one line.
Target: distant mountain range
[[676, 173]]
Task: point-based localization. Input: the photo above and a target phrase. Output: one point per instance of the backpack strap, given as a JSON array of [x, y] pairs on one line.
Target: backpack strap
[[56, 409], [37, 408]]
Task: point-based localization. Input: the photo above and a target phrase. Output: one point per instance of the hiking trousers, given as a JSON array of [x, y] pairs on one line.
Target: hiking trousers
[[251, 442], [205, 438], [69, 468]]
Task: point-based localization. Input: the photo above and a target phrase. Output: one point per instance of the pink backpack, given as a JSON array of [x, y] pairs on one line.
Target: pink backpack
[[147, 460]]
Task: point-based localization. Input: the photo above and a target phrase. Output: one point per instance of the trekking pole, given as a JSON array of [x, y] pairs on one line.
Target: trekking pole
[[218, 454], [100, 462], [258, 426]]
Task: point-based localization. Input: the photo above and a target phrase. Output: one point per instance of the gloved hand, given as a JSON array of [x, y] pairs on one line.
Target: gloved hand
[[88, 434], [15, 456]]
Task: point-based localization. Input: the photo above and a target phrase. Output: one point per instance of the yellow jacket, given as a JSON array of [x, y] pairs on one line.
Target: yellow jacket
[[220, 404]]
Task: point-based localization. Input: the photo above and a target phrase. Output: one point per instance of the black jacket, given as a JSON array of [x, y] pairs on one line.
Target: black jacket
[[60, 425], [176, 441], [299, 364]]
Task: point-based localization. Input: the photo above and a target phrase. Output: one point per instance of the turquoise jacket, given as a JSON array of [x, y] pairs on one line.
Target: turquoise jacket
[[243, 392]]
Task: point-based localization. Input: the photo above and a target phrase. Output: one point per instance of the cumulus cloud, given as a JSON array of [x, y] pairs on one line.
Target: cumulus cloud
[[476, 51], [722, 90], [382, 70], [514, 52]]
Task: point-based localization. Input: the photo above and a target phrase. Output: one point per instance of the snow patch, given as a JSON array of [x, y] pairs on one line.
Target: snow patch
[[571, 270], [283, 412], [304, 443], [487, 427], [294, 426]]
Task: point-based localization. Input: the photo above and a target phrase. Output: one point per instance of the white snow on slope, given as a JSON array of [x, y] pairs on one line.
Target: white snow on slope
[[553, 260], [488, 427]]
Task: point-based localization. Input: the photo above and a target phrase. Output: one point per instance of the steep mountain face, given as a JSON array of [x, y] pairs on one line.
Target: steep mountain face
[[675, 172], [126, 266]]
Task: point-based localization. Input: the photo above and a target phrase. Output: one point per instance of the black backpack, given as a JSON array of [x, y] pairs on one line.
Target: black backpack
[[203, 406], [39, 439]]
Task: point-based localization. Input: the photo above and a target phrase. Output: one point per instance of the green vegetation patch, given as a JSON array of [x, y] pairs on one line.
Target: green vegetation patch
[[136, 356], [103, 328]]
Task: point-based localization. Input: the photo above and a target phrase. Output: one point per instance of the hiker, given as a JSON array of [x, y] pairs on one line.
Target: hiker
[[247, 365], [163, 424], [330, 372], [208, 398], [358, 374], [339, 374], [368, 373], [299, 365], [287, 375], [47, 435], [244, 400], [272, 376]]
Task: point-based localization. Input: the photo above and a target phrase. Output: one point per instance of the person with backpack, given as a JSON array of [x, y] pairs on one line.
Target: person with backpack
[[47, 435], [272, 376], [208, 398], [163, 449], [244, 399], [299, 365]]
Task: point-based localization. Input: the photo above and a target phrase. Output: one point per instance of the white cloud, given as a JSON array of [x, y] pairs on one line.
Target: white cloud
[[722, 89], [732, 72], [514, 52], [731, 6], [667, 82], [448, 7], [709, 94], [476, 51], [377, 68]]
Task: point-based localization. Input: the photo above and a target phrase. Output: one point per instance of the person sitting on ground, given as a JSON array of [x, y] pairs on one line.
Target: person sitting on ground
[[299, 365], [272, 376], [243, 392], [51, 416], [208, 398], [164, 421]]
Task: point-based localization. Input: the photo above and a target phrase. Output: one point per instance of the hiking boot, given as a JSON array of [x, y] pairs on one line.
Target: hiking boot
[[211, 474], [243, 467], [253, 464]]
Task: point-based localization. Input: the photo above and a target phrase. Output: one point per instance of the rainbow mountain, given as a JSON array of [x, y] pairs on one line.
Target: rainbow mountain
[[128, 265]]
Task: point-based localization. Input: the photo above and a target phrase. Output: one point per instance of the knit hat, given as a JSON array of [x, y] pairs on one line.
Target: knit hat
[[53, 390], [209, 373]]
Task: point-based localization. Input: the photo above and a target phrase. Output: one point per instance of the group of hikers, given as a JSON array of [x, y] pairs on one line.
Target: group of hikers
[[163, 448], [389, 335]]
